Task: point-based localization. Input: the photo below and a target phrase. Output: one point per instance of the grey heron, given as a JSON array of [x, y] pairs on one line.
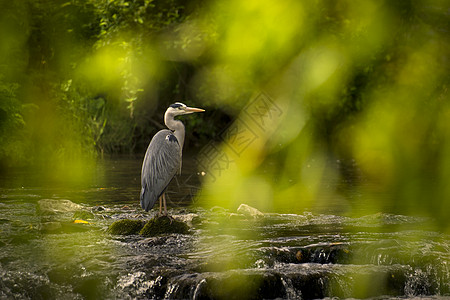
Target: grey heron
[[163, 158]]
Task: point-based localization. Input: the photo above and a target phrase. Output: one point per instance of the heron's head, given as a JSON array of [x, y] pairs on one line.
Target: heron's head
[[179, 108]]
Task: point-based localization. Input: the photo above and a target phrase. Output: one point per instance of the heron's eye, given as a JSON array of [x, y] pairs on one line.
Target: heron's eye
[[177, 106]]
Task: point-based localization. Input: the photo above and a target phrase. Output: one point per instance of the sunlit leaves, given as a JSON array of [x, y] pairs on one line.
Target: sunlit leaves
[[369, 78]]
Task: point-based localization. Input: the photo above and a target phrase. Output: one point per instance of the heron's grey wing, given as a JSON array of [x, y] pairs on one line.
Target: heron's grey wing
[[161, 162]]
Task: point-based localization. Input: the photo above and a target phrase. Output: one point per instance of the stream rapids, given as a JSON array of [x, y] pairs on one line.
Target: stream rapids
[[225, 256]]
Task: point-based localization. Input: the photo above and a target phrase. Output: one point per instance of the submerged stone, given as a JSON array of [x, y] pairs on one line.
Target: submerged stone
[[53, 206], [63, 227], [163, 225], [125, 227], [98, 208], [234, 216], [218, 209], [83, 215], [50, 227], [249, 211]]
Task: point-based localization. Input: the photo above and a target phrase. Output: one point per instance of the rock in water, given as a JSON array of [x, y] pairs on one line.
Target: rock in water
[[53, 206], [125, 227], [249, 211], [83, 215], [50, 227], [163, 225]]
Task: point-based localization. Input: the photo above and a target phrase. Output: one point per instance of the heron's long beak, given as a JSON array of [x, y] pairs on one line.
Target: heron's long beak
[[193, 109]]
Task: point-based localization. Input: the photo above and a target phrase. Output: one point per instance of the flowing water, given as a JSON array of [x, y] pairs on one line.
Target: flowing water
[[45, 255]]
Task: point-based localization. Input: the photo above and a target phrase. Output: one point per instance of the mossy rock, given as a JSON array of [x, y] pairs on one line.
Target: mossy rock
[[126, 227], [163, 225]]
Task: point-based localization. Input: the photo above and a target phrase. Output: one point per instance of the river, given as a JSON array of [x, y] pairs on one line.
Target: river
[[307, 255]]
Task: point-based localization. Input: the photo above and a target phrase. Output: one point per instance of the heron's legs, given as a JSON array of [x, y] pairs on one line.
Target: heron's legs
[[165, 206], [162, 202], [160, 205]]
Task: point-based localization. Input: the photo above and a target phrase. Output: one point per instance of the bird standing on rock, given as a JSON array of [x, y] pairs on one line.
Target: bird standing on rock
[[163, 158]]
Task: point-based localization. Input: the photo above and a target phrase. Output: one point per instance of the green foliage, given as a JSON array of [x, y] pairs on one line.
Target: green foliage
[[119, 16], [11, 121], [75, 66], [360, 86]]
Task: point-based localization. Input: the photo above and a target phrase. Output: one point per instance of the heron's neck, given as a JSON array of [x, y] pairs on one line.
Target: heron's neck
[[176, 126]]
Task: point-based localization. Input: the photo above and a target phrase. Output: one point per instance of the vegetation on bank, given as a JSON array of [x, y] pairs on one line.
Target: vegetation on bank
[[84, 77]]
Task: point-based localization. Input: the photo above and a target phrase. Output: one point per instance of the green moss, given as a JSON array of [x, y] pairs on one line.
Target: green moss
[[163, 225], [125, 227], [156, 226]]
